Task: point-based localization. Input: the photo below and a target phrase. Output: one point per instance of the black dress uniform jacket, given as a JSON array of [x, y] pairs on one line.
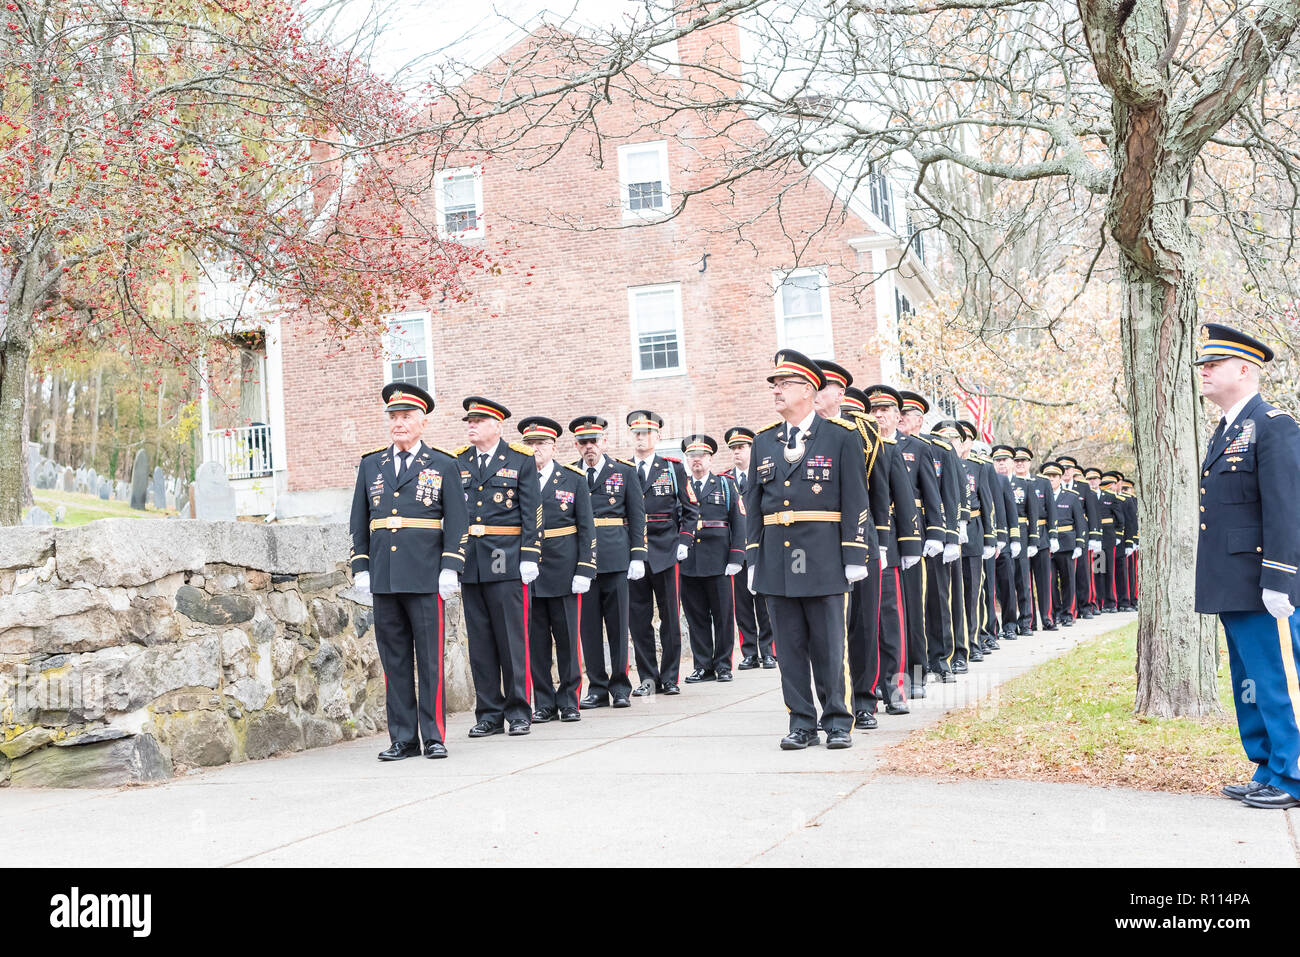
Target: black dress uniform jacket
[[947, 472], [406, 530], [720, 529], [504, 495], [618, 508], [569, 540], [977, 500], [1046, 520], [877, 467], [1240, 549], [918, 459], [670, 511], [904, 516], [1069, 523]]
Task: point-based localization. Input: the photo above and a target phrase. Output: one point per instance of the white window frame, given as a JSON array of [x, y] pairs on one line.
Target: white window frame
[[440, 183], [632, 292], [661, 148], [410, 318], [778, 280]]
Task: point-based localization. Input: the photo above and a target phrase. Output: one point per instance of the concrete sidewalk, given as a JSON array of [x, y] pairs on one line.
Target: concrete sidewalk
[[695, 779]]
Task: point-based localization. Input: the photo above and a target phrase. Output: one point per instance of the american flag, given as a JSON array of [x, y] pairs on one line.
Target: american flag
[[978, 407]]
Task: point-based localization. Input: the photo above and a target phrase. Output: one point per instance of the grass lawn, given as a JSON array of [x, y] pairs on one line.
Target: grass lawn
[[88, 508], [1071, 719]]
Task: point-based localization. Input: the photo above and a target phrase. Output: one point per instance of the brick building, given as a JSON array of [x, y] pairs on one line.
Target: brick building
[[676, 314]]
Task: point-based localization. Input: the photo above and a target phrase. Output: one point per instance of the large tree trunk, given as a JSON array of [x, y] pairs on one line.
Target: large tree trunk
[[15, 348]]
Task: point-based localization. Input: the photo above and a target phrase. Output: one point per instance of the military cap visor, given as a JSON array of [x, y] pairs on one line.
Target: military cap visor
[[1108, 478], [1092, 473], [948, 429], [1002, 452], [968, 430], [738, 435], [1051, 468], [1067, 461], [398, 396], [1224, 342], [588, 427], [883, 395], [835, 373], [477, 407], [699, 445], [913, 402], [1023, 454], [853, 403], [643, 420], [795, 364], [537, 427]]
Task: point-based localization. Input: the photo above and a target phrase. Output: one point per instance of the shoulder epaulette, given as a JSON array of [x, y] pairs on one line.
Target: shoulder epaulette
[[373, 451], [462, 450], [669, 458], [521, 448], [940, 442], [439, 448], [626, 462], [772, 426], [1273, 413], [890, 441], [843, 423], [574, 468]]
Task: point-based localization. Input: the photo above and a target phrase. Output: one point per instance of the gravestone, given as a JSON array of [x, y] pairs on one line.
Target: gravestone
[[121, 491], [69, 480], [140, 480], [158, 489], [33, 461], [45, 476], [105, 489], [92, 481], [60, 515], [214, 499], [36, 516]]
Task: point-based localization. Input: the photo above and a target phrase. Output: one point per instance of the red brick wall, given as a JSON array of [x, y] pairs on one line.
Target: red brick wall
[[560, 341]]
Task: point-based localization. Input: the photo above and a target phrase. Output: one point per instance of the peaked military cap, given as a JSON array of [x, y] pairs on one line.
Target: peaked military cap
[[1224, 342], [406, 395]]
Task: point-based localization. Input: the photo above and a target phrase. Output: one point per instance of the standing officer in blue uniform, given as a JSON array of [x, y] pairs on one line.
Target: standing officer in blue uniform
[[616, 506], [505, 531], [1111, 523], [1005, 562], [670, 516], [809, 525], [408, 527], [1247, 557], [1040, 564], [565, 571], [751, 610], [1029, 511], [1066, 517], [715, 556]]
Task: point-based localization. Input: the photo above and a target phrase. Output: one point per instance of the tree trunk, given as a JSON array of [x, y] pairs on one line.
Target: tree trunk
[[94, 417], [15, 349]]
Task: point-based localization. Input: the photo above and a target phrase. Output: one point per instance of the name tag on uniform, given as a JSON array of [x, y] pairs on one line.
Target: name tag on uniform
[[766, 468]]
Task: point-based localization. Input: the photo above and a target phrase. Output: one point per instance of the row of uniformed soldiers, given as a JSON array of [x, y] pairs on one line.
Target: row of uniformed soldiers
[[917, 550]]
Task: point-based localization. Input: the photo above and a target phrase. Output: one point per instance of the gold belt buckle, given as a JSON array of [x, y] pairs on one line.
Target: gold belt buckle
[[785, 518], [478, 531], [394, 522]]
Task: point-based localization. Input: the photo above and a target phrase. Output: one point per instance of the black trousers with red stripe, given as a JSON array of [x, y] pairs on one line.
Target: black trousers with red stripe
[[863, 632], [604, 619], [497, 629], [554, 621], [707, 603], [1085, 586], [409, 635], [661, 588], [887, 656], [914, 620], [1063, 577], [1041, 567], [938, 612], [751, 617]]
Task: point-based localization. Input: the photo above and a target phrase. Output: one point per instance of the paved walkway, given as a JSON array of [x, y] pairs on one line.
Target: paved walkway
[[695, 779]]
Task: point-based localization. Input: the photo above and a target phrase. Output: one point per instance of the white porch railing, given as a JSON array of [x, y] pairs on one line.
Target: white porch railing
[[245, 452]]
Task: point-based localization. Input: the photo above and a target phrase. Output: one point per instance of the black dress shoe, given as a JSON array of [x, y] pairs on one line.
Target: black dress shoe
[[593, 701], [1067, 622], [543, 715], [948, 678], [399, 750], [747, 662], [799, 739], [701, 674], [435, 749], [836, 740], [724, 675], [1271, 797], [899, 707], [570, 714], [1010, 633], [863, 719], [671, 689], [484, 728], [918, 690], [769, 662], [1051, 626], [621, 702], [646, 687], [520, 726], [990, 643], [976, 654], [1239, 791], [959, 666]]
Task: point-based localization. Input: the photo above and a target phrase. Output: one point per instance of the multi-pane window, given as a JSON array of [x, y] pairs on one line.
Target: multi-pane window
[[803, 316], [643, 178], [656, 313], [882, 198], [460, 203], [406, 350]]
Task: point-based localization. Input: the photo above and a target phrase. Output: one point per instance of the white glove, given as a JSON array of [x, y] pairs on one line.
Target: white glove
[[731, 569], [989, 552], [1278, 604], [1015, 549], [931, 547], [635, 570], [1054, 545], [1130, 550], [910, 560], [1094, 547], [448, 584], [528, 572], [749, 577], [1076, 553], [682, 552], [1033, 550], [884, 556], [962, 537], [855, 573], [580, 585], [951, 553], [361, 581]]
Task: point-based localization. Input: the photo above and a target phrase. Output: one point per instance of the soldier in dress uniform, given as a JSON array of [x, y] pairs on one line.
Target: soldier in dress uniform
[[499, 479], [1029, 511], [1067, 519], [714, 558], [1124, 530], [939, 622], [751, 610], [996, 541], [1111, 523], [1248, 559], [670, 516], [618, 511], [566, 568], [1090, 541], [919, 457], [408, 520], [808, 525], [973, 507], [1041, 562], [1132, 542], [1007, 559]]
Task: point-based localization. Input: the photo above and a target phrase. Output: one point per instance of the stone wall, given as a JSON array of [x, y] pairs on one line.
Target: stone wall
[[131, 649]]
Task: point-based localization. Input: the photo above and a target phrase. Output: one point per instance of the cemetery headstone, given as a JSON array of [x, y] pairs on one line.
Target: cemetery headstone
[[214, 499], [36, 516], [158, 489], [140, 480]]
